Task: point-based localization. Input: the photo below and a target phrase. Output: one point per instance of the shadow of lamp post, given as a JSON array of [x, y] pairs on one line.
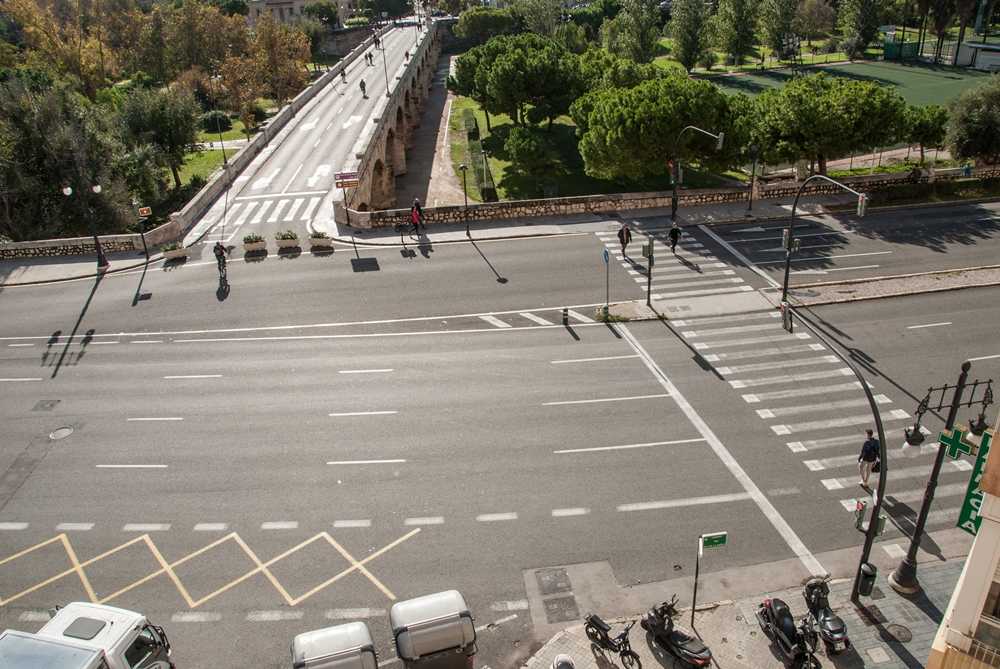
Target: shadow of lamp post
[[102, 261]]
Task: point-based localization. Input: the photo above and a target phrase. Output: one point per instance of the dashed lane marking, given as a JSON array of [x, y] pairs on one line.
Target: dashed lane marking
[[195, 617], [131, 466], [18, 345], [273, 616], [353, 614], [494, 321], [927, 325], [75, 527], [607, 357], [151, 418], [496, 517], [13, 526], [362, 413], [146, 527], [364, 371], [19, 379], [425, 520], [35, 617], [365, 462], [606, 399], [626, 447], [360, 522], [280, 525], [685, 501], [194, 376], [565, 513], [211, 527]]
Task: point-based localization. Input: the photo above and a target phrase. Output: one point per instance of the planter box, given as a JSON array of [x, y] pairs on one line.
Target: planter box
[[254, 246], [320, 243], [176, 253], [287, 243]]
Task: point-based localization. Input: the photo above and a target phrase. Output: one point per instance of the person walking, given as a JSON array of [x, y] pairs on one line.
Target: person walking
[[417, 216], [868, 458], [675, 235], [364, 93], [624, 236]]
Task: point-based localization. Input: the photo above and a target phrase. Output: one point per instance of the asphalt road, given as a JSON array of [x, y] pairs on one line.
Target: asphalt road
[[233, 456]]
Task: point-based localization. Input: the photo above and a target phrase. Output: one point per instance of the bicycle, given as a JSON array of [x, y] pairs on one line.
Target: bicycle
[[597, 631]]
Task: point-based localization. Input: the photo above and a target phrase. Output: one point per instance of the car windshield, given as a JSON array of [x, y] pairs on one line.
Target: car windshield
[[17, 652]]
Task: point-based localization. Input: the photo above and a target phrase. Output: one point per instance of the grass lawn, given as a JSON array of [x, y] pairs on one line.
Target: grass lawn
[[201, 164], [236, 132], [565, 178], [918, 84]]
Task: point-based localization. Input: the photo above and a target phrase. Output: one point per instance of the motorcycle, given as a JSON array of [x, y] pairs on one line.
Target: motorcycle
[[831, 627], [597, 631], [797, 643], [659, 622]]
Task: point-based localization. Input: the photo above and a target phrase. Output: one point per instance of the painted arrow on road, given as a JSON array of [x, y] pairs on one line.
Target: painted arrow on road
[[305, 127], [351, 121], [264, 182], [756, 229], [321, 171]]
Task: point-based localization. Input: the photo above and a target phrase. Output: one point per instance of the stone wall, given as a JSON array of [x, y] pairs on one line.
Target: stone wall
[[75, 246]]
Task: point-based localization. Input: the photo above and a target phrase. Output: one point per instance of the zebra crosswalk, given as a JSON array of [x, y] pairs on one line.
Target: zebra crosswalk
[[813, 406], [259, 211]]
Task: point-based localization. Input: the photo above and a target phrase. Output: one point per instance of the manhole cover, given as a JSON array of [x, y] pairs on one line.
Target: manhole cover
[[61, 433], [561, 609], [553, 581], [45, 405], [898, 632]]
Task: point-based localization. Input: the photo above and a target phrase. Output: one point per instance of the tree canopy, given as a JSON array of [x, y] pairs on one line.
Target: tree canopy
[[688, 22], [974, 131], [479, 24]]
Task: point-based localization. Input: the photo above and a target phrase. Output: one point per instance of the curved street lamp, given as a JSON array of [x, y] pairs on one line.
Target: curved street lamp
[[719, 139], [102, 261]]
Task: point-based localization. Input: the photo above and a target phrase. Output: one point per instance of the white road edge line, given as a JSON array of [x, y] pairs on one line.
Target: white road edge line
[[363, 413], [927, 325], [984, 357], [139, 420], [605, 399], [363, 371], [742, 258], [15, 380], [763, 503], [626, 447], [366, 462], [131, 466], [194, 376], [609, 357]]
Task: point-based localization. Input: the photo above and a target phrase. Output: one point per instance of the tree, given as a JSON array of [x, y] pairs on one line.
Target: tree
[[231, 7], [602, 69], [165, 118], [687, 27], [966, 12], [631, 133], [859, 23], [572, 36], [736, 23], [323, 10], [280, 54], [592, 15], [539, 16], [814, 18], [528, 150], [777, 19], [974, 128], [315, 32], [150, 54], [926, 126], [242, 85], [942, 14], [635, 34], [479, 24]]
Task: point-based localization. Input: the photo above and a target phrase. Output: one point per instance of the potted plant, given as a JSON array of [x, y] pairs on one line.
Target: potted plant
[[253, 243], [320, 240], [288, 239], [175, 250]]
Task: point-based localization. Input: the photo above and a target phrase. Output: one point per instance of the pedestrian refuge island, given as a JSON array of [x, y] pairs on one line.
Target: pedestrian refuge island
[[434, 631], [347, 646]]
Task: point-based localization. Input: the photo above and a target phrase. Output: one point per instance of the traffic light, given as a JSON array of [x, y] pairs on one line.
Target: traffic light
[[862, 205]]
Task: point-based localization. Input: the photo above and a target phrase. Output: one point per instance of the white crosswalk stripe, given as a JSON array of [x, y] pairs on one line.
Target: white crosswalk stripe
[[665, 279], [777, 412], [688, 334], [706, 291], [753, 398], [763, 352], [788, 378], [919, 471], [775, 338], [296, 203], [778, 364], [245, 214], [276, 212], [535, 319], [851, 460], [709, 320], [830, 442], [310, 210], [842, 421], [687, 284], [262, 211]]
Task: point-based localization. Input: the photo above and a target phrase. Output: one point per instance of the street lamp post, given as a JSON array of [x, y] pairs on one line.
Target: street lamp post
[[102, 261], [142, 228], [790, 230], [754, 153], [719, 139], [385, 68], [465, 193]]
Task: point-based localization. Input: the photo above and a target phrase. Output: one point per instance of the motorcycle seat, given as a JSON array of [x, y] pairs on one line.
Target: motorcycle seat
[[597, 622], [783, 619], [689, 643], [830, 620]]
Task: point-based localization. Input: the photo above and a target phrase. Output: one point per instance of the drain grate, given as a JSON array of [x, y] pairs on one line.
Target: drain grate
[[60, 433], [45, 405]]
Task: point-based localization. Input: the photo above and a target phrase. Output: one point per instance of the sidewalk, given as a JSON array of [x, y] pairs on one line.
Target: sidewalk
[[889, 631]]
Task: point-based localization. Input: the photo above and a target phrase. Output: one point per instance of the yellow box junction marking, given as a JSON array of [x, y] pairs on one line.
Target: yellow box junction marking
[[168, 567]]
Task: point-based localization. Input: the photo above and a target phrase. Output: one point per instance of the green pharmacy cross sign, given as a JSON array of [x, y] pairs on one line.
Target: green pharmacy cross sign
[[969, 518], [955, 443]]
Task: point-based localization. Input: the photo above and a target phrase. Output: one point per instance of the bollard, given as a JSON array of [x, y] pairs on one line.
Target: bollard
[[565, 316]]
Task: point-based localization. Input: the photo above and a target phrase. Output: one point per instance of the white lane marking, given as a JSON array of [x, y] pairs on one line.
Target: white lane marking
[[845, 421], [496, 517], [138, 420], [195, 617], [788, 378], [211, 527], [530, 316], [280, 525], [366, 462], [897, 473], [681, 269], [131, 466], [18, 345], [852, 459], [103, 343], [927, 325], [707, 291], [984, 357], [290, 216], [828, 442], [609, 357], [288, 185], [746, 261], [311, 208], [509, 605], [273, 616], [733, 330], [363, 371], [763, 352], [146, 527], [317, 143], [501, 621], [425, 520], [779, 492], [895, 551], [322, 171], [575, 511], [822, 406], [684, 501], [362, 413], [578, 316], [776, 337], [798, 235], [353, 614], [276, 212], [262, 212], [271, 195], [13, 526], [658, 279], [75, 527], [751, 488], [849, 269], [147, 341], [801, 392], [630, 446], [687, 284], [605, 399], [194, 376], [351, 121], [916, 494], [35, 617], [361, 522], [16, 380], [493, 320], [778, 364], [264, 182], [819, 258]]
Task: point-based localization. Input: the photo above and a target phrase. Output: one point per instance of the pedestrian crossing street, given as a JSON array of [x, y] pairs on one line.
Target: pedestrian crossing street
[[279, 209], [814, 406]]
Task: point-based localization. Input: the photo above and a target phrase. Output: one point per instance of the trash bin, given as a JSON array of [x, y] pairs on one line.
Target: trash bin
[[347, 646], [434, 631], [868, 574]]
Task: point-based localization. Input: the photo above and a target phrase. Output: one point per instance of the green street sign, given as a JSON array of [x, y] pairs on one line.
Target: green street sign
[[969, 518], [714, 540]]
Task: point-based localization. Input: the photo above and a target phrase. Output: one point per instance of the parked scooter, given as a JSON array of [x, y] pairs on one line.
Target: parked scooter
[[597, 631], [797, 643], [830, 626], [659, 621]]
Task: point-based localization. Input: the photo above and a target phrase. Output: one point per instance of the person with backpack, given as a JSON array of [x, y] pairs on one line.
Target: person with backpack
[[624, 236], [868, 459], [675, 235]]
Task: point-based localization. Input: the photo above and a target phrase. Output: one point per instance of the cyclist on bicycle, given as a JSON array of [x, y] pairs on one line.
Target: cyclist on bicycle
[[220, 256], [343, 76]]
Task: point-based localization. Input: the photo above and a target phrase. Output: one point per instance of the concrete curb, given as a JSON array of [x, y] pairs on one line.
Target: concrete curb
[[77, 277], [821, 302], [847, 282]]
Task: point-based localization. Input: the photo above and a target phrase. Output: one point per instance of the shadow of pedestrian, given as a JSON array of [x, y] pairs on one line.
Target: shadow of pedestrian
[[76, 326], [222, 292], [690, 265], [53, 339], [425, 246]]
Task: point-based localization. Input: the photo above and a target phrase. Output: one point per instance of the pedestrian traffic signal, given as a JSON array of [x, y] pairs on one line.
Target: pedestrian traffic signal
[[786, 316], [862, 205]]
